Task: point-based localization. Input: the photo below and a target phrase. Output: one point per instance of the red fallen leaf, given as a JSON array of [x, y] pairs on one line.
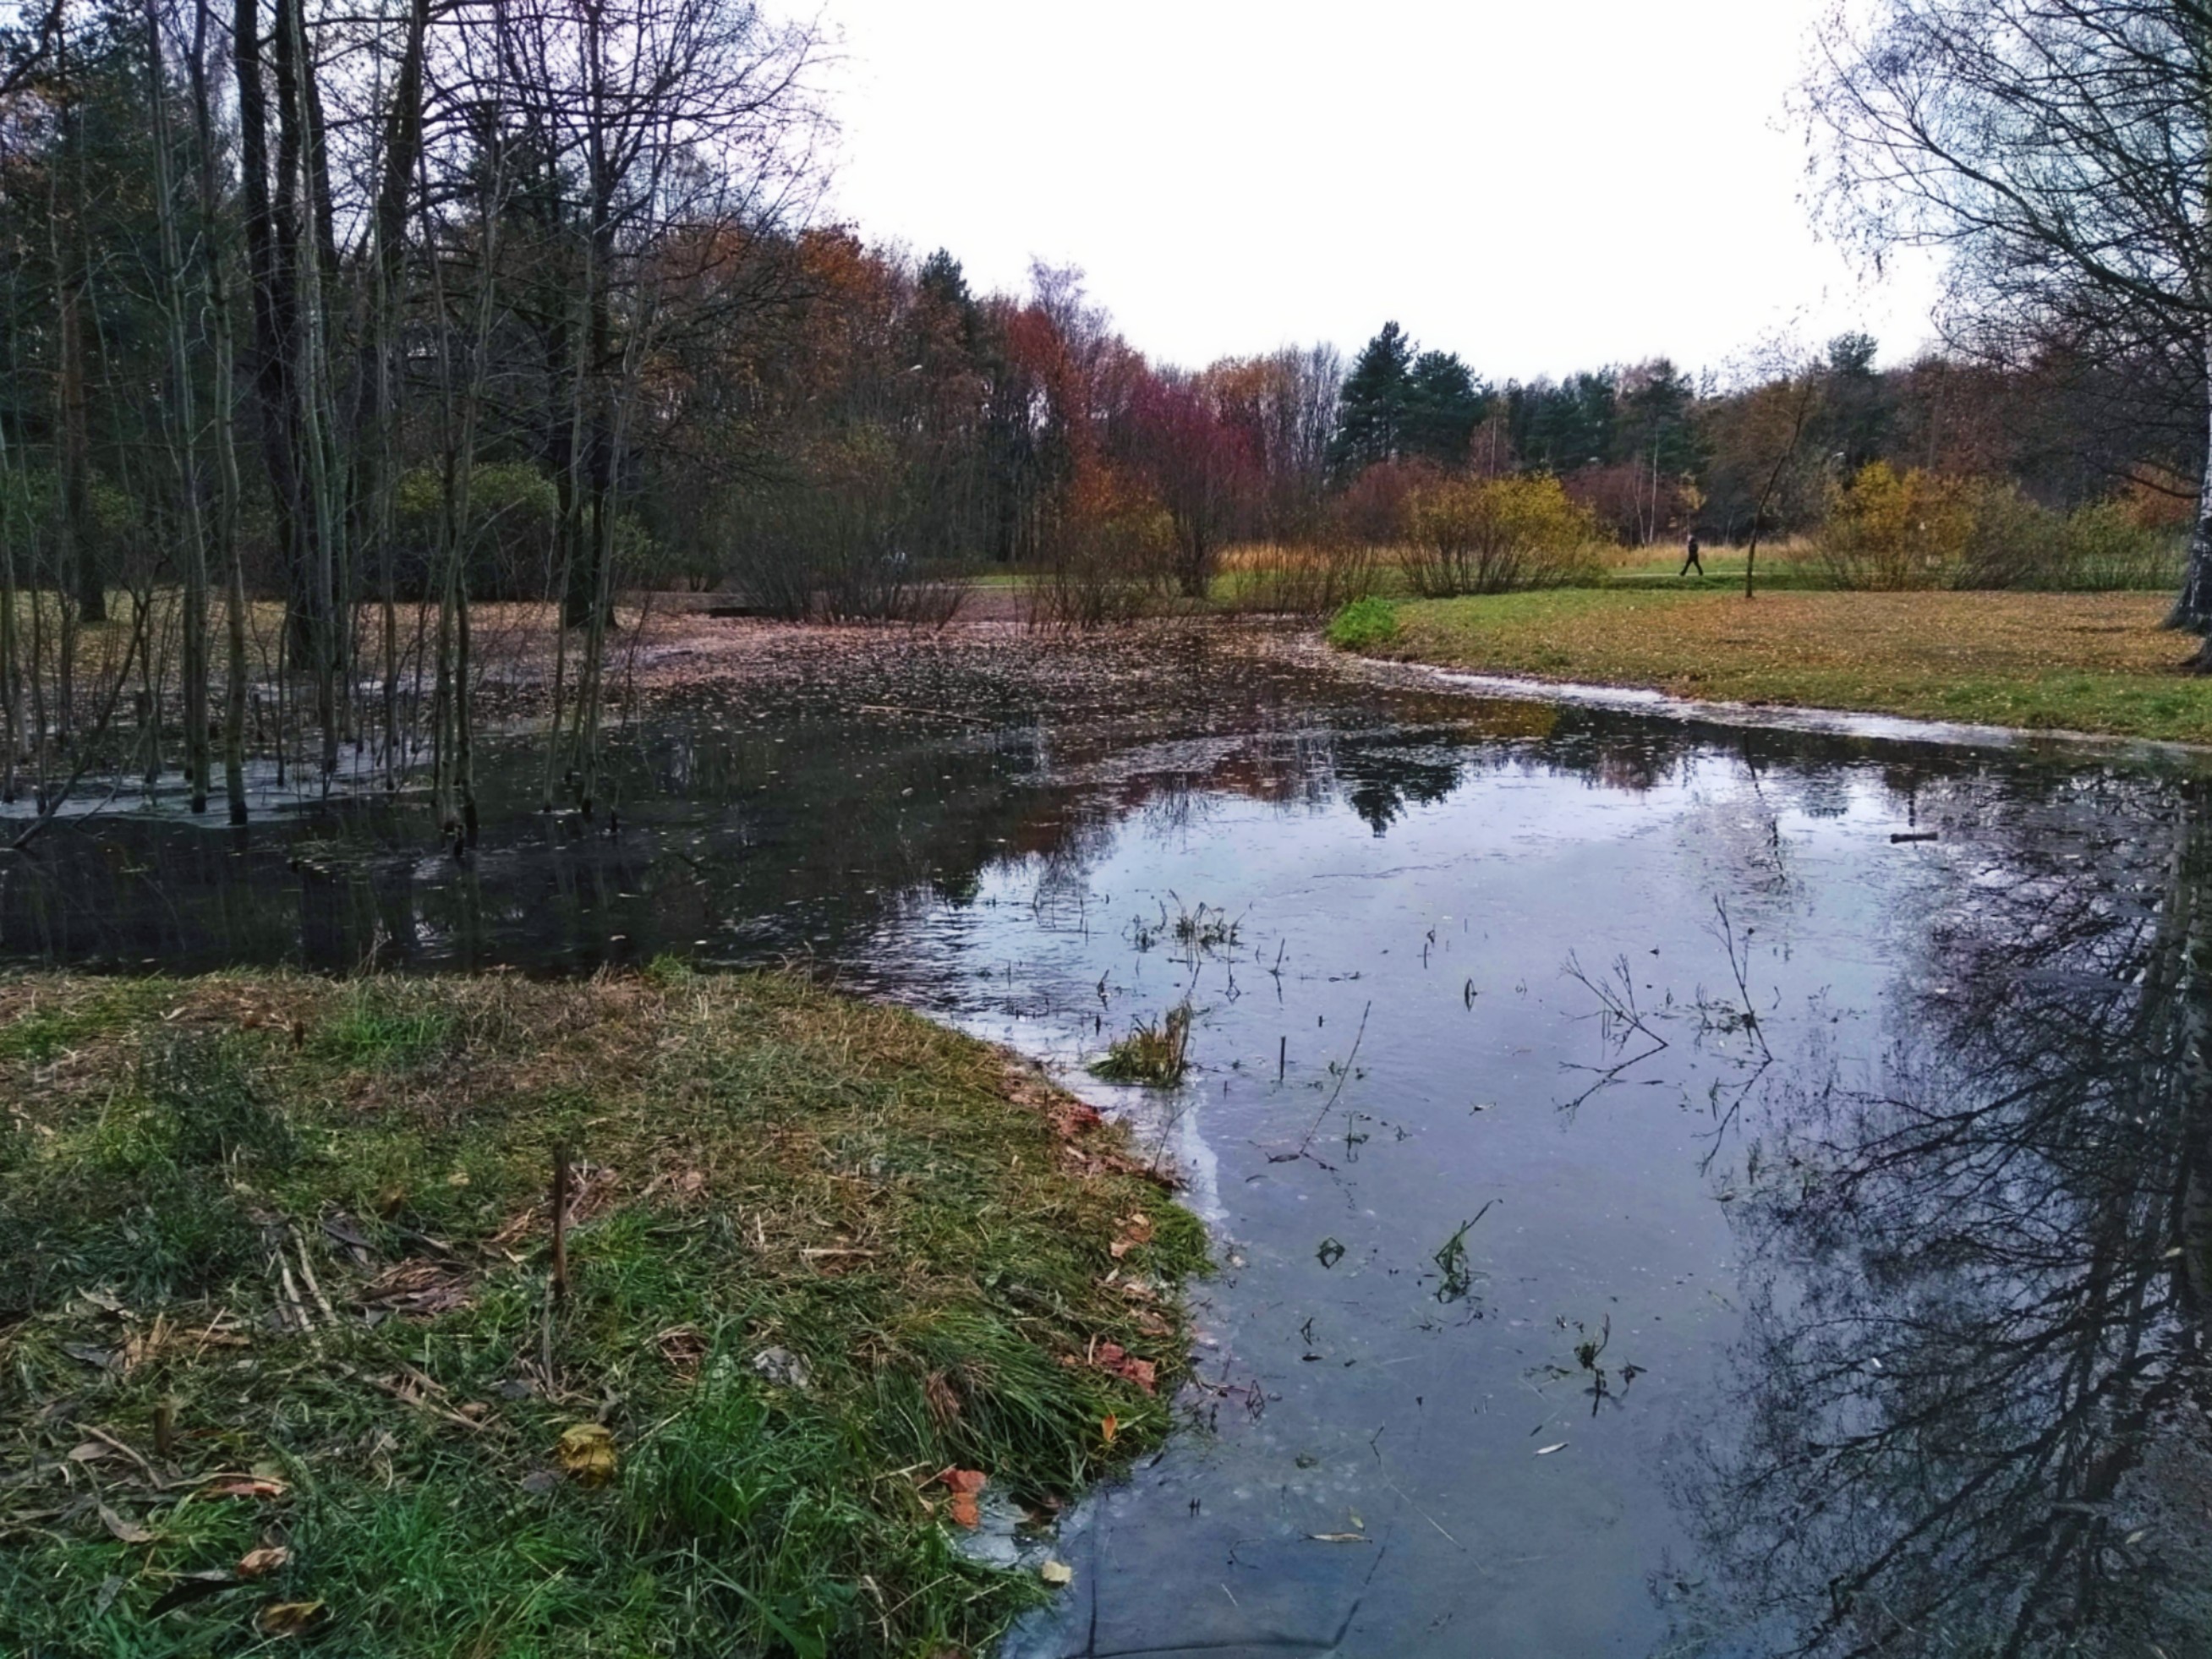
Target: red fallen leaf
[[1072, 1120], [1113, 1359], [1108, 1426], [964, 1484]]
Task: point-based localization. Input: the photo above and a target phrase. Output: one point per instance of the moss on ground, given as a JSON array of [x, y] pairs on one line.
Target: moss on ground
[[277, 1349], [2085, 662]]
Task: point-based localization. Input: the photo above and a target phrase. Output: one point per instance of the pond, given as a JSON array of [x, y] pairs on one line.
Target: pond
[[1679, 1189]]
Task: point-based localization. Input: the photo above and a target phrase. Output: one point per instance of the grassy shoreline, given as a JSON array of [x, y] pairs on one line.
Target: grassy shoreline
[[2087, 662], [277, 1349]]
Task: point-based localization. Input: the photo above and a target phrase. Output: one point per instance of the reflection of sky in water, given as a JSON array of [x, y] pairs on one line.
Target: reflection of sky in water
[[1498, 910], [1387, 1411]]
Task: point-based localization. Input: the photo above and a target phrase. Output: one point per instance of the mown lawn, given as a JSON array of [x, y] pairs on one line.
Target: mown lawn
[[279, 1353], [2084, 662]]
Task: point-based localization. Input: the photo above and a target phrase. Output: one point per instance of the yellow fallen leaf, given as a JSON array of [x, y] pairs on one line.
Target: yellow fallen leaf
[[586, 1452], [1108, 1426], [288, 1618], [1056, 1573]]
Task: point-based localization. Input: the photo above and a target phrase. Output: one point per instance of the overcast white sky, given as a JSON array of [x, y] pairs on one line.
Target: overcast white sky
[[1537, 184]]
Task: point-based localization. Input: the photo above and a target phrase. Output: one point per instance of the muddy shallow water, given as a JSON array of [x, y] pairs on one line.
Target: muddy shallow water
[[1681, 1189]]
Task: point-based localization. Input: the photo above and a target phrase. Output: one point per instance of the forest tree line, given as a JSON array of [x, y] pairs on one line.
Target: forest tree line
[[326, 330]]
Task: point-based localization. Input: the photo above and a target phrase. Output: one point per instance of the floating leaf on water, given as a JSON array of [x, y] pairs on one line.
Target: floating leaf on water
[[1546, 1451], [1330, 1253], [586, 1452], [1339, 1538]]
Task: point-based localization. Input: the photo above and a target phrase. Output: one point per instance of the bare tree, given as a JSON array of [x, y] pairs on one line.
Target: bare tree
[[2061, 150]]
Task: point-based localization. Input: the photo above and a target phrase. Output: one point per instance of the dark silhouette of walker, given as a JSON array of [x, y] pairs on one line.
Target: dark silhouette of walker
[[1693, 563]]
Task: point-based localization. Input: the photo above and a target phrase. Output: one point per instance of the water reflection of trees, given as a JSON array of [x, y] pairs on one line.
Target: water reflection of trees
[[1967, 1416]]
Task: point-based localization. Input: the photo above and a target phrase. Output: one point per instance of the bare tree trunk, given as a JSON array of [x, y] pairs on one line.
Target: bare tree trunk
[[376, 462], [329, 631], [182, 430], [2192, 610], [224, 525]]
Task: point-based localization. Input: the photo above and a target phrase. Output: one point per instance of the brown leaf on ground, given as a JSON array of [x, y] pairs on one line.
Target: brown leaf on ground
[[1135, 1231], [682, 1350], [1116, 1361], [259, 1564], [943, 1399], [124, 1529], [241, 1487], [418, 1287]]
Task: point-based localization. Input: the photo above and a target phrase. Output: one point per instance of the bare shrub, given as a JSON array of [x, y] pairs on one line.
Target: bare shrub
[[1105, 567], [835, 542], [1309, 579]]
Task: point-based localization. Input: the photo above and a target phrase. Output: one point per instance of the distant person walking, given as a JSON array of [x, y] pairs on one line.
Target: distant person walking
[[1693, 563]]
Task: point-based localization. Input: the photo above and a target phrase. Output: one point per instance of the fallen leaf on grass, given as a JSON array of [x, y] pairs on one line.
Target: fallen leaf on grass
[[242, 1488], [1136, 1230], [126, 1531], [1111, 1357], [682, 1350], [1056, 1573], [587, 1451], [289, 1618], [1108, 1426], [259, 1564], [419, 1287], [964, 1484], [90, 1452]]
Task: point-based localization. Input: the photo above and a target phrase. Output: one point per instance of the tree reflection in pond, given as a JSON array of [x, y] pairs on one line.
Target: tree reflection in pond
[[1968, 1413]]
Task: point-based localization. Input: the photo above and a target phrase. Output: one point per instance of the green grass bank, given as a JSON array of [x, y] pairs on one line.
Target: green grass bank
[[2080, 662], [280, 1353]]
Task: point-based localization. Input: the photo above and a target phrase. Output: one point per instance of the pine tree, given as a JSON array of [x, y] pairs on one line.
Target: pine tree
[[1445, 404], [1373, 408]]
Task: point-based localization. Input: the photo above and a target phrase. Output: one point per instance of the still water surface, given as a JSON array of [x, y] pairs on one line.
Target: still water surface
[[1660, 1209]]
